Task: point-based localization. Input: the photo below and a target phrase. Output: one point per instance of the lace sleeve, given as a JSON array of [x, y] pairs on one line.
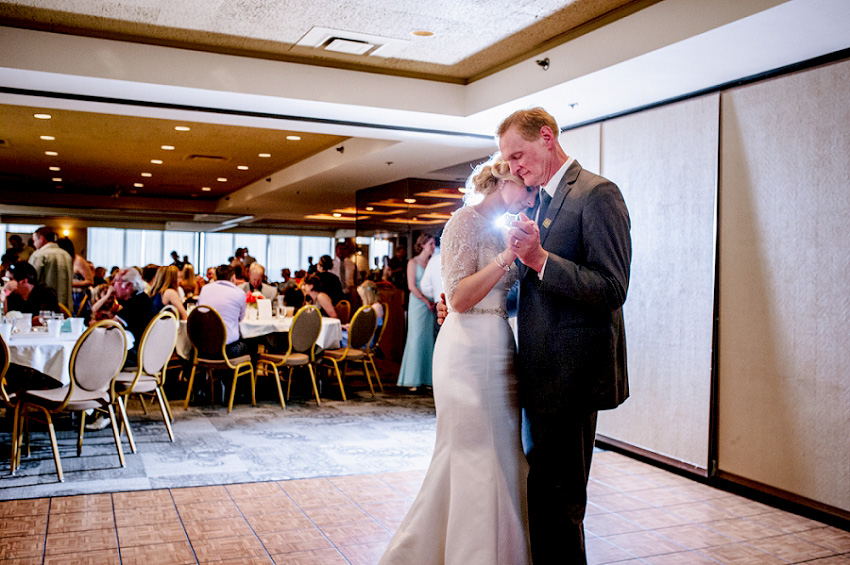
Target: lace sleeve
[[459, 256]]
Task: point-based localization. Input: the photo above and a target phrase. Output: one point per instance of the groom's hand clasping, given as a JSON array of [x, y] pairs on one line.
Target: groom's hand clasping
[[524, 240]]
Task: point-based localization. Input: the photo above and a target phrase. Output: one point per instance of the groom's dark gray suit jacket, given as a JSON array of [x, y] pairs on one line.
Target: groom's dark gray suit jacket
[[572, 343]]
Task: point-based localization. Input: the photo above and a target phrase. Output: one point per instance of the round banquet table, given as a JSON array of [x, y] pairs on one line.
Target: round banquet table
[[329, 336], [50, 355]]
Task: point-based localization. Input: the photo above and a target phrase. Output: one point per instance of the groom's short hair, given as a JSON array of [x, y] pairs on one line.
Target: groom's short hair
[[528, 123]]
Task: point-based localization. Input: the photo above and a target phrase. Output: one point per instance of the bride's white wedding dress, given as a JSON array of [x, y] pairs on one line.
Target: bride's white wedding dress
[[471, 509]]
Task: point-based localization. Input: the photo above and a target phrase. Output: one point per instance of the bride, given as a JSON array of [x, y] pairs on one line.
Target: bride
[[471, 509]]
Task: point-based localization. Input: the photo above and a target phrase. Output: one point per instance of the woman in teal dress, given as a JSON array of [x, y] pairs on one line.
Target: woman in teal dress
[[419, 348]]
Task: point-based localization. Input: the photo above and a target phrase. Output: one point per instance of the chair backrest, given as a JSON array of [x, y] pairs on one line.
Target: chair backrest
[[362, 327], [65, 311], [383, 327], [82, 307], [343, 311], [158, 342], [305, 329], [4, 366], [98, 355], [206, 332]]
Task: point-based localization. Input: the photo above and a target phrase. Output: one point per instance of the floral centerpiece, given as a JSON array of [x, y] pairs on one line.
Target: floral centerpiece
[[252, 297]]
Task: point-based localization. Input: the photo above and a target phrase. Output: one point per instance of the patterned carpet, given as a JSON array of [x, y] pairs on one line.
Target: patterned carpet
[[392, 432]]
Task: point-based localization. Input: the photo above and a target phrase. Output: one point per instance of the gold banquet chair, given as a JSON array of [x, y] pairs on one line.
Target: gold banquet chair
[[343, 311], [96, 359], [208, 337], [155, 349], [303, 335], [375, 344], [360, 333]]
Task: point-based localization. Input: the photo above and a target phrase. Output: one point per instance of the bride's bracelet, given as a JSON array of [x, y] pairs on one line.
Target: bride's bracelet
[[501, 262]]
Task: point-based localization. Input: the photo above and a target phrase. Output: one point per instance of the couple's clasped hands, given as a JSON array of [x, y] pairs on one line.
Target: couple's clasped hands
[[523, 243]]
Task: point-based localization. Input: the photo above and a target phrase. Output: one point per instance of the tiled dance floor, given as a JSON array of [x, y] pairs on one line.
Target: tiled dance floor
[[637, 514]]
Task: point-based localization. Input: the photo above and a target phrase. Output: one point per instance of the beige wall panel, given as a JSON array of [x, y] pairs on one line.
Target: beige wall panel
[[665, 161], [583, 144], [784, 366]]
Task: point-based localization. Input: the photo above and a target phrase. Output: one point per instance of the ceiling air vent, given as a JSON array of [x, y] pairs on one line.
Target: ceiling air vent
[[350, 42], [206, 158]]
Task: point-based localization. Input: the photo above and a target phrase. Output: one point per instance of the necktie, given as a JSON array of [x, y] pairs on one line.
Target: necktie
[[545, 199]]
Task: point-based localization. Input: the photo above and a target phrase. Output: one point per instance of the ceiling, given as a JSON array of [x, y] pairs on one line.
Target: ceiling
[[411, 112]]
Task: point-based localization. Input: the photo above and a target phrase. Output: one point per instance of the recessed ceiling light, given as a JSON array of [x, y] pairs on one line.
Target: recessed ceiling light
[[410, 200], [182, 128], [156, 161], [206, 188], [168, 147], [242, 167], [264, 155], [221, 179], [51, 153], [370, 208], [337, 215], [134, 192], [48, 138], [293, 137], [42, 116], [147, 175], [56, 179], [422, 33], [54, 169], [138, 184]]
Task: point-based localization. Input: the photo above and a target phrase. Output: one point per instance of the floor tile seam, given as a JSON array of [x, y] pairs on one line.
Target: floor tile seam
[[182, 525], [248, 522], [832, 554]]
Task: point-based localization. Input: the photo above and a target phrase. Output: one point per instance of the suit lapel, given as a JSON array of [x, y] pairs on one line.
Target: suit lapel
[[561, 192]]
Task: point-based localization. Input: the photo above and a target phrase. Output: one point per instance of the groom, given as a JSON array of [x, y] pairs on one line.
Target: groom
[[571, 361]]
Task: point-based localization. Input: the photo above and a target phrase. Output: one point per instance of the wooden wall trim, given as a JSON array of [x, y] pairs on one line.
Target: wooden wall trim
[[782, 499], [650, 456]]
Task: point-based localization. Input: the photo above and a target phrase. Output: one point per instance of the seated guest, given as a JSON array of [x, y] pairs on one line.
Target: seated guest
[[238, 275], [164, 291], [368, 292], [294, 297], [312, 287], [187, 282], [134, 311], [330, 282], [287, 281], [24, 294], [256, 274], [149, 272], [226, 298]]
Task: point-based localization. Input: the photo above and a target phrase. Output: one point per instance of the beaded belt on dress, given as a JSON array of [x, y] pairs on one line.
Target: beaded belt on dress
[[501, 312]]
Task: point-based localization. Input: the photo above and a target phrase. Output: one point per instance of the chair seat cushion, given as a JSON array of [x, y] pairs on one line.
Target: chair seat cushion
[[339, 354], [146, 383], [294, 359], [80, 400], [221, 363]]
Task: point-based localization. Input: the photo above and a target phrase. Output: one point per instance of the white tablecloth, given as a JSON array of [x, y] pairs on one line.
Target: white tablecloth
[[329, 336], [50, 355]]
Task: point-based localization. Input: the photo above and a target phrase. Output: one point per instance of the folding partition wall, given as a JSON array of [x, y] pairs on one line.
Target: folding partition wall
[[739, 202]]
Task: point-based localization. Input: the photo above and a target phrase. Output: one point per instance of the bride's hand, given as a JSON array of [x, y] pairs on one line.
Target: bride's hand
[[508, 255]]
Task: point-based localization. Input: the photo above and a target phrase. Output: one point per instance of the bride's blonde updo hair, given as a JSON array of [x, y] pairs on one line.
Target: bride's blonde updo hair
[[486, 176]]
